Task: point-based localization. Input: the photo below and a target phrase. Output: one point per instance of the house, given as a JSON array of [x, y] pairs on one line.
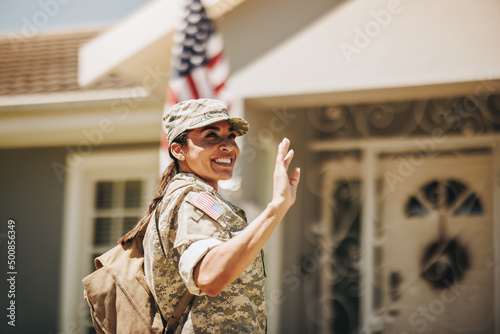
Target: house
[[51, 126], [392, 107]]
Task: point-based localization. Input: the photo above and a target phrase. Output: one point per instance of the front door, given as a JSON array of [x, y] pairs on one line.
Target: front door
[[437, 253]]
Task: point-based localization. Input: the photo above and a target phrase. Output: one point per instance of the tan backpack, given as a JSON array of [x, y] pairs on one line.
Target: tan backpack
[[119, 297]]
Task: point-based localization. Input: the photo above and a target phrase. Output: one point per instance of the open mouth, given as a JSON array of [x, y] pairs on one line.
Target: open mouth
[[226, 162]]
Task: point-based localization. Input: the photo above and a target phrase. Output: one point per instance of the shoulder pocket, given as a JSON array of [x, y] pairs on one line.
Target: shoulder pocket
[[207, 204]]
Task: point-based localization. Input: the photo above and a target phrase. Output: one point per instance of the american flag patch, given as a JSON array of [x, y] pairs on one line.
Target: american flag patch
[[207, 205]]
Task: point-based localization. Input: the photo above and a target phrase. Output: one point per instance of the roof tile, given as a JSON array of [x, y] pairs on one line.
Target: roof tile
[[46, 63]]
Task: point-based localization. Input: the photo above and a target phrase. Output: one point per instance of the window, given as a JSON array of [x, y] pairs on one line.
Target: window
[[449, 194], [106, 195], [117, 208]]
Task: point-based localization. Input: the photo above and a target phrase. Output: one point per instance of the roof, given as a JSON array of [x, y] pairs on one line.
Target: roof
[[47, 63]]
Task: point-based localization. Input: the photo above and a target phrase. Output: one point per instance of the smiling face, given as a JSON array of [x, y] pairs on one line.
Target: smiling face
[[210, 152]]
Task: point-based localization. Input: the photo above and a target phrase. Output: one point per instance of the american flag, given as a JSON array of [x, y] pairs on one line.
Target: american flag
[[206, 204], [198, 68]]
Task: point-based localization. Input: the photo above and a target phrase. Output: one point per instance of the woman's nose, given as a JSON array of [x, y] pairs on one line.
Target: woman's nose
[[227, 145]]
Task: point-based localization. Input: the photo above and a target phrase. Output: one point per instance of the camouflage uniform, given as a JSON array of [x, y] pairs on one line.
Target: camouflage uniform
[[188, 233]]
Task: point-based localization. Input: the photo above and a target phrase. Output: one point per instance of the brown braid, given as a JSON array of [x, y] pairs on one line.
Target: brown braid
[[168, 174]]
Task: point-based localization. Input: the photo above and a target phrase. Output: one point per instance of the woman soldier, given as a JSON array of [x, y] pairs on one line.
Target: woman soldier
[[202, 243]]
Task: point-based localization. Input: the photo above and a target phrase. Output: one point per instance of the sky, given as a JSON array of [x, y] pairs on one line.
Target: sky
[[18, 16]]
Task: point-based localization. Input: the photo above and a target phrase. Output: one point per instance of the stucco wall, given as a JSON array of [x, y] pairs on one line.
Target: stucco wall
[[368, 45], [257, 26], [32, 196]]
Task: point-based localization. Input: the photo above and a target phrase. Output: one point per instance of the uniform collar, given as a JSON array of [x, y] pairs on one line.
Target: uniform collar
[[183, 179]]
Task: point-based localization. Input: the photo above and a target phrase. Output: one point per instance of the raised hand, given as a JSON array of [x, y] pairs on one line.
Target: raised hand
[[226, 262], [285, 187]]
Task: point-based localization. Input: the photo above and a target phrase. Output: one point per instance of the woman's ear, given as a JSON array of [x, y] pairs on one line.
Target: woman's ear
[[177, 151]]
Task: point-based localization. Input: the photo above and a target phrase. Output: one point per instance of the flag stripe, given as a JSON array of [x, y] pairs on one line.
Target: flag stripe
[[199, 57], [219, 87], [219, 74], [192, 86], [213, 61], [204, 87], [199, 69]]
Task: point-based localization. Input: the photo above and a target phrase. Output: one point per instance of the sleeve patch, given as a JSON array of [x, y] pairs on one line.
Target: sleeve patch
[[206, 204]]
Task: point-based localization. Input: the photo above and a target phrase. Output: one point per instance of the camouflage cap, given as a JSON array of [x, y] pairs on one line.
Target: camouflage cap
[[192, 114]]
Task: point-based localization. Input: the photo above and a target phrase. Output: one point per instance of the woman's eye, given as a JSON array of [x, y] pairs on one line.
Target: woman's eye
[[212, 135], [232, 136]]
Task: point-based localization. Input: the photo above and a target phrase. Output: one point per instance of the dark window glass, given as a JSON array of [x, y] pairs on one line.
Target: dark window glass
[[102, 231], [449, 194], [104, 195], [133, 194], [414, 208], [471, 206]]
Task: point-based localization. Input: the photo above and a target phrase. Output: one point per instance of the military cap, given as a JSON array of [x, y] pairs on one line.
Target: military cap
[[192, 114]]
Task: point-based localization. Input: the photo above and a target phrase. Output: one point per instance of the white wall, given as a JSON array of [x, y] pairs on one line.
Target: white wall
[[412, 43]]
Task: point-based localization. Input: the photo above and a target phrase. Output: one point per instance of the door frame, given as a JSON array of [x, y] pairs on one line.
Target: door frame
[[369, 320]]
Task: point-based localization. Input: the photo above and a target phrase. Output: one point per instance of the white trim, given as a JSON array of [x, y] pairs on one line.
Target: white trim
[[74, 121], [118, 123], [332, 171], [111, 164], [402, 144], [367, 234], [44, 100], [496, 232], [364, 94], [326, 230]]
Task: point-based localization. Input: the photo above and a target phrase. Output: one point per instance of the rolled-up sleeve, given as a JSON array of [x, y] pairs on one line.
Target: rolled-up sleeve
[[190, 258], [196, 235]]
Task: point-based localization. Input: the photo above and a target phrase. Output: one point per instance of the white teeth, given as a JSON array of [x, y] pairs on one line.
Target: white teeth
[[223, 161]]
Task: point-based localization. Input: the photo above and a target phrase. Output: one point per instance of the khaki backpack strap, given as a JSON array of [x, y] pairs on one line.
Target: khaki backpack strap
[[186, 297], [157, 222], [179, 309]]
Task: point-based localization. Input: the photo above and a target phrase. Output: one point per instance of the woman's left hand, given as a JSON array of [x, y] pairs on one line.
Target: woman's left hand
[[285, 187]]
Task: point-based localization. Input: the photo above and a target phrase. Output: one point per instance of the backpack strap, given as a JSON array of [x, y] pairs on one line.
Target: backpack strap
[[186, 297], [179, 309], [157, 218]]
